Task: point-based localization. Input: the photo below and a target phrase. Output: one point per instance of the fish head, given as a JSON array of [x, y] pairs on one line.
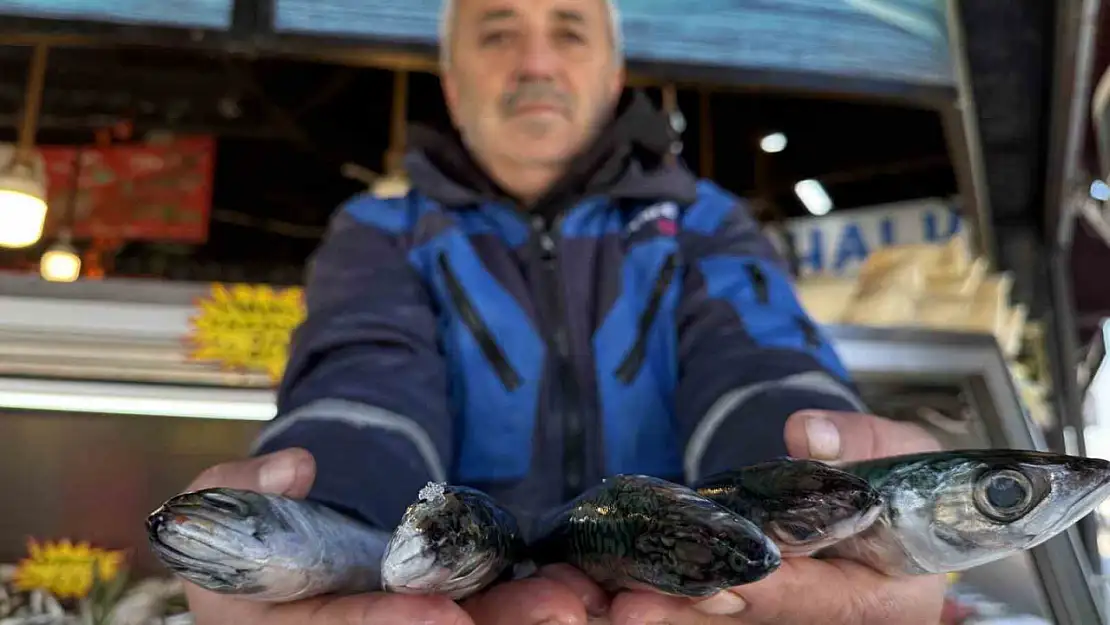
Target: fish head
[[803, 505], [228, 541], [964, 509], [441, 545], [816, 505], [687, 545]]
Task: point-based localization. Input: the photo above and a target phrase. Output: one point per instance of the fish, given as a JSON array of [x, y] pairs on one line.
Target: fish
[[636, 532], [454, 541], [946, 512], [265, 547], [803, 505]]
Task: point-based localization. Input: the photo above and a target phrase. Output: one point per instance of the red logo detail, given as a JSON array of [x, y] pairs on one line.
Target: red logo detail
[[667, 227]]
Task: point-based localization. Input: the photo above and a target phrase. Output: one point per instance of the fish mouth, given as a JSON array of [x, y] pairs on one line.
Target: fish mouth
[[207, 538], [864, 522], [410, 565], [1085, 504]]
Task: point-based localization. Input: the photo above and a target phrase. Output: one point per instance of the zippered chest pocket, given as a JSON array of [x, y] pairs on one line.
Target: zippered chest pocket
[[633, 360], [494, 360], [636, 350], [468, 315]]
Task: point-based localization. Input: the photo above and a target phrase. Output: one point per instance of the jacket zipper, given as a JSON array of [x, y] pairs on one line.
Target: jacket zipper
[[759, 282], [568, 395], [634, 360], [492, 352], [809, 331]]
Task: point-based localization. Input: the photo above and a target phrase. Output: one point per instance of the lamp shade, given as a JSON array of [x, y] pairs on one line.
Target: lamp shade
[[22, 200]]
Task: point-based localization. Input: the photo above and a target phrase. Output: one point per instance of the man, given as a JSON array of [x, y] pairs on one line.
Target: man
[[558, 300]]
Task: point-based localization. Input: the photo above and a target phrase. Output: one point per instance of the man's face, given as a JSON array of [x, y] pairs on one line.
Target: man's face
[[530, 80]]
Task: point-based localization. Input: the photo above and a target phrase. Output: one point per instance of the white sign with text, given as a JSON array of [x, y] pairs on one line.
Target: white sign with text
[[836, 244]]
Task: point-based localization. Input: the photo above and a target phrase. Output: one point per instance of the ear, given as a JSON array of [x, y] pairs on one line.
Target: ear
[[618, 83], [450, 86]]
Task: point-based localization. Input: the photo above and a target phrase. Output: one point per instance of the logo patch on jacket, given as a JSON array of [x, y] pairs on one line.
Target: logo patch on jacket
[[663, 215]]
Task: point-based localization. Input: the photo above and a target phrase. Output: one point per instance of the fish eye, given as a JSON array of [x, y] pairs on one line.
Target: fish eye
[[1003, 495]]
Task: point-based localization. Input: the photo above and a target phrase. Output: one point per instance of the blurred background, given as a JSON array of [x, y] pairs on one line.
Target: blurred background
[[932, 170]]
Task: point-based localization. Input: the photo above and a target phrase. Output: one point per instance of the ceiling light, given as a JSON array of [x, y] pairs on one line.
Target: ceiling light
[[813, 196], [391, 186], [773, 143], [22, 200], [1100, 191], [60, 263]]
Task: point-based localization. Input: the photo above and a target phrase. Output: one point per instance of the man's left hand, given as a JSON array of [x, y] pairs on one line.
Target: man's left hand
[[807, 590]]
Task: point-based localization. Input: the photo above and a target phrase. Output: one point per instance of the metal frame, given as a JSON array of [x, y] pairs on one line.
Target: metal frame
[[961, 128], [975, 363], [249, 19], [1075, 41]]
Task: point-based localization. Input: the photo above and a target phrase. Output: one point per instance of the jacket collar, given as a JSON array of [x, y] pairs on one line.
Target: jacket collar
[[627, 161]]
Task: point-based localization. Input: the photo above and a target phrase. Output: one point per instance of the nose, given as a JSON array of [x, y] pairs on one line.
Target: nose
[[538, 59]]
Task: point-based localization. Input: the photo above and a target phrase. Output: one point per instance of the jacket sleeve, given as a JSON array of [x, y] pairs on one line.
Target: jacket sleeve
[[365, 387], [749, 355]]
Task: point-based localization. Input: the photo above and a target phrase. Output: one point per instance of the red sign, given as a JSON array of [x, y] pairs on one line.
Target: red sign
[[135, 191]]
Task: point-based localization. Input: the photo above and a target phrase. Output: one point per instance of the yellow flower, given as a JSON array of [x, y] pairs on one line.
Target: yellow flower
[[247, 327], [65, 569]]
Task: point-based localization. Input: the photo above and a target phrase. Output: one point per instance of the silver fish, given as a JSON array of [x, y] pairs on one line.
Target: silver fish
[[265, 547], [454, 541], [635, 531], [803, 505], [952, 511]]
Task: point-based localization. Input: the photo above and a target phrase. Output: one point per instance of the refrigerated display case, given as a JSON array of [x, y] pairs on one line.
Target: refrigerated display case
[[103, 367], [966, 379]]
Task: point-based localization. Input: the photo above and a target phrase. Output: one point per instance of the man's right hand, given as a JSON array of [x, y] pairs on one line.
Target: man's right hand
[[291, 473]]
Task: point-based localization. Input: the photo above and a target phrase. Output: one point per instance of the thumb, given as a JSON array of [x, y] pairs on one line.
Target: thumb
[[851, 436], [288, 472]]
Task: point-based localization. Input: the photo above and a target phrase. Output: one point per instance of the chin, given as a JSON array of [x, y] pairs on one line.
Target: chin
[[549, 150], [540, 157]]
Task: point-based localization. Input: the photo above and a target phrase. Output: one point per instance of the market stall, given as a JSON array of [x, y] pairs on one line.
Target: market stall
[[149, 377], [144, 384]]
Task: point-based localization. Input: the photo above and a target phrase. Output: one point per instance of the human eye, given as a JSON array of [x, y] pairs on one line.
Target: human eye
[[570, 36], [494, 38]]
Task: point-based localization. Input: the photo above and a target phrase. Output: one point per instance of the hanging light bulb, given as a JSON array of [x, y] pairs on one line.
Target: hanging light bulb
[[60, 263], [394, 185], [22, 201], [773, 143]]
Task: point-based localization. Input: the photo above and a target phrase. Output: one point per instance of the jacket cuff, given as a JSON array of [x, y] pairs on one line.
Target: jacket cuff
[[370, 463], [745, 428]]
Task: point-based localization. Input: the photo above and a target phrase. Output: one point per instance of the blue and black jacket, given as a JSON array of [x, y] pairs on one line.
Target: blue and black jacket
[[634, 320]]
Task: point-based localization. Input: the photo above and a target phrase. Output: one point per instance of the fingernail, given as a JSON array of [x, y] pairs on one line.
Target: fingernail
[[277, 474], [823, 438], [725, 603]]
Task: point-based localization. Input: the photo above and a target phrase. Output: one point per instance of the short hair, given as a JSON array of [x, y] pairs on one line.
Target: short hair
[[447, 30]]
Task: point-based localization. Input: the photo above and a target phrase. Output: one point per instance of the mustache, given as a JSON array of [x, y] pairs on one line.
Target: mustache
[[530, 93]]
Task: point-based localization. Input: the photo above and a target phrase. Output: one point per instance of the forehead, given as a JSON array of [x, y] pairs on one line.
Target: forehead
[[471, 12]]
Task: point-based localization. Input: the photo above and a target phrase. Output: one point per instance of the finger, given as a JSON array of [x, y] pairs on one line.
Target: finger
[[649, 608], [836, 593], [288, 472], [370, 609], [849, 436], [532, 601], [376, 609], [590, 594]]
